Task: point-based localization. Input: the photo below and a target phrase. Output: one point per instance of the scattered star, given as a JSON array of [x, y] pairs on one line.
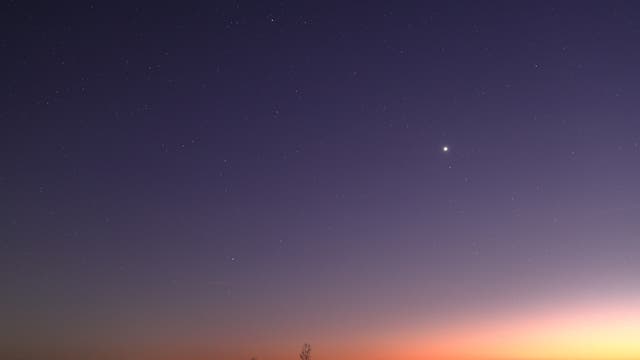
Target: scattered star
[[149, 146]]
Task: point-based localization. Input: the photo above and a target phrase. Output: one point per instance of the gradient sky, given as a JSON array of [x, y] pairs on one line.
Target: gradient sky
[[221, 180]]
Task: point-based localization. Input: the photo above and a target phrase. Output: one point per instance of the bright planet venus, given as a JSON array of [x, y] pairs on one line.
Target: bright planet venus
[[381, 180]]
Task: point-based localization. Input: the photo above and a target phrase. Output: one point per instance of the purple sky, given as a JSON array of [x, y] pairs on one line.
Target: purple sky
[[250, 176]]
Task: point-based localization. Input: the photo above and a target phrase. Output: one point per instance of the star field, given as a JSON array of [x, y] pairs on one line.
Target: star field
[[234, 179]]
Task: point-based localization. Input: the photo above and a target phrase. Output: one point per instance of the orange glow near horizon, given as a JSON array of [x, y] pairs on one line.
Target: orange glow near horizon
[[597, 330], [588, 331]]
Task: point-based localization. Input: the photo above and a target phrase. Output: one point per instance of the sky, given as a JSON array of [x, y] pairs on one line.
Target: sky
[[383, 180]]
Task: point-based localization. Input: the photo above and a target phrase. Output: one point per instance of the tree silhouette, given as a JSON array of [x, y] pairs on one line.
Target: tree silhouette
[[305, 354]]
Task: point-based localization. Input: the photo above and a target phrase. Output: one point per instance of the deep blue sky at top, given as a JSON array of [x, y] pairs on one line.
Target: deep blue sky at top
[[203, 156]]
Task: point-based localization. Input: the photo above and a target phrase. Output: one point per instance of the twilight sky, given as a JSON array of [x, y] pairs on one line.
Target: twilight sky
[[221, 180]]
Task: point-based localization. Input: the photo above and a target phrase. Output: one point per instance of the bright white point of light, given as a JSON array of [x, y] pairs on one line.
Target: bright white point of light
[[445, 148]]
